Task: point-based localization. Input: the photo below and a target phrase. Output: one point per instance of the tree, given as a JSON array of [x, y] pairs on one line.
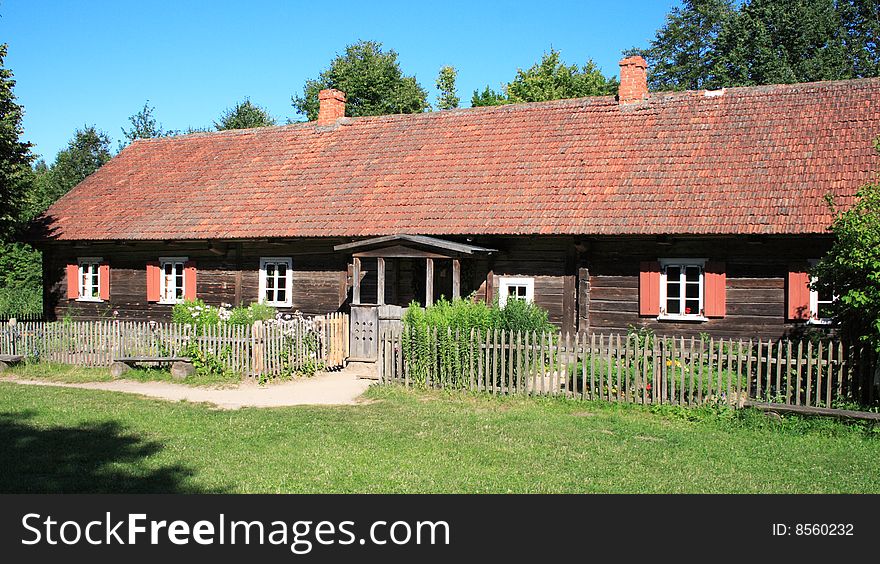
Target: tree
[[714, 43], [774, 42], [143, 126], [244, 115], [448, 99], [681, 55], [851, 269], [15, 154], [372, 81], [860, 20], [85, 153], [550, 79], [488, 97]]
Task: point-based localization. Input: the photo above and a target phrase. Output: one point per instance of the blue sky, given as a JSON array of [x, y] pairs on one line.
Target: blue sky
[[97, 62]]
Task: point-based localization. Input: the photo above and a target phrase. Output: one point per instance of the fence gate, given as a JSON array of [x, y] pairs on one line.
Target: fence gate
[[364, 333]]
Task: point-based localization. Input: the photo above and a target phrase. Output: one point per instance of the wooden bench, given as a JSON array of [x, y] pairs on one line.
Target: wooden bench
[[7, 360], [181, 366]]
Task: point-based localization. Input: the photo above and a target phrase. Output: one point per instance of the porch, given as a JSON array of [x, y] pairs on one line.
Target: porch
[[388, 273]]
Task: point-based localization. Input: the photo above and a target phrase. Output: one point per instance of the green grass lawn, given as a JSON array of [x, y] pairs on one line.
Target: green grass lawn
[[73, 440]]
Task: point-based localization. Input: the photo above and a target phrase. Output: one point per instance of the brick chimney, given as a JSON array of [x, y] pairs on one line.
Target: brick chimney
[[633, 80], [332, 106]]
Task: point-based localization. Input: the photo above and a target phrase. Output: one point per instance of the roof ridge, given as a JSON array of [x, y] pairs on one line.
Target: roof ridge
[[562, 102]]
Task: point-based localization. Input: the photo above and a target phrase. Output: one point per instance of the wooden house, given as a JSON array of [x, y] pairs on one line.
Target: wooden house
[[686, 212]]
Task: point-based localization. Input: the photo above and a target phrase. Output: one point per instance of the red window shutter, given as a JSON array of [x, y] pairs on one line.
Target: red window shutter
[[715, 290], [649, 288], [72, 281], [798, 294], [189, 280], [153, 276], [104, 281]]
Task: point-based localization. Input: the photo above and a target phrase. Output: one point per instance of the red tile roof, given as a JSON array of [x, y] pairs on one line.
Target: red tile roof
[[750, 160]]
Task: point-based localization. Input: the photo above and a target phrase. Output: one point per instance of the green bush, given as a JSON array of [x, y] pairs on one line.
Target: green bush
[[464, 315], [436, 339], [20, 302], [199, 314]]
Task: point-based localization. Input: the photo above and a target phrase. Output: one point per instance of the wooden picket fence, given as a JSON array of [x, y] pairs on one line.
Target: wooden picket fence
[[629, 368], [258, 350]]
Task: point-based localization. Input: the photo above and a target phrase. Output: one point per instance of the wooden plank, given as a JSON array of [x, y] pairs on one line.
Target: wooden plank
[[809, 410], [593, 354], [456, 279], [820, 369], [809, 376], [800, 361], [429, 282], [380, 281], [700, 376], [691, 370], [543, 360], [356, 281], [494, 374], [471, 376], [788, 371], [711, 356], [758, 371]]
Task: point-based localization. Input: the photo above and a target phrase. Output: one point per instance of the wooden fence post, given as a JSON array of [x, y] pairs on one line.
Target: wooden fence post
[[258, 348]]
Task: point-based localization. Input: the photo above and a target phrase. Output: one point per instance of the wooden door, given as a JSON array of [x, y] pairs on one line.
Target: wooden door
[[364, 333]]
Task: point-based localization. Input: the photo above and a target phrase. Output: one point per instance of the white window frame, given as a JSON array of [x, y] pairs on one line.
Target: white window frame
[[814, 303], [288, 283], [82, 295], [505, 282], [162, 288], [699, 316]]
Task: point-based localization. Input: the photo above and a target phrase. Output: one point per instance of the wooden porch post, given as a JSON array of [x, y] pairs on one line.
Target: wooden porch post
[[356, 283], [429, 282], [380, 281], [456, 279]]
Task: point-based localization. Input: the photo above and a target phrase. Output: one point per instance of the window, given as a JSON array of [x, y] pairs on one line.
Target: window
[[172, 273], [276, 282], [516, 289], [681, 289], [820, 304], [89, 280]]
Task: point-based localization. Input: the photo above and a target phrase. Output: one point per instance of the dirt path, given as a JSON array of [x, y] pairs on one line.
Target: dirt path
[[333, 388]]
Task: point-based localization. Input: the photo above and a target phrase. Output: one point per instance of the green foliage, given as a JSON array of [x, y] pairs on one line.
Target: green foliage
[[209, 363], [488, 97], [248, 315], [15, 154], [644, 336], [682, 54], [244, 115], [19, 302], [372, 81], [715, 43], [851, 269], [550, 79], [199, 314], [195, 313], [436, 339], [447, 99], [143, 126], [85, 153]]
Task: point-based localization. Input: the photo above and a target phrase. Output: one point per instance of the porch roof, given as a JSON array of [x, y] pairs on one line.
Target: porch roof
[[440, 246]]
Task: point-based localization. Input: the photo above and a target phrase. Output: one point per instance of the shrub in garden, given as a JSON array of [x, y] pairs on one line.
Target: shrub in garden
[[436, 339]]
